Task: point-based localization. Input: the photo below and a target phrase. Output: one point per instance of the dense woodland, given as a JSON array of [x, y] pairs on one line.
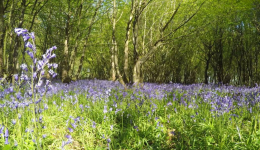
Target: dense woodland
[[132, 41]]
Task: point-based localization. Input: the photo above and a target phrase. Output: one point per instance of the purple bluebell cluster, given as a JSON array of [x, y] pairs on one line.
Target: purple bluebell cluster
[[221, 99]]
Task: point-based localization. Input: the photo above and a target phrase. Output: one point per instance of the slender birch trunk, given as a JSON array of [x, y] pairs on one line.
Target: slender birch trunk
[[65, 63], [126, 50], [114, 46]]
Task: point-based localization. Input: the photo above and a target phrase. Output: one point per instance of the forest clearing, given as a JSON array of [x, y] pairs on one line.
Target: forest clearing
[[129, 74]]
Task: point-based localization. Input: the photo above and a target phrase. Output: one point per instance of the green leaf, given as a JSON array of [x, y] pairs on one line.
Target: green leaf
[[7, 147]]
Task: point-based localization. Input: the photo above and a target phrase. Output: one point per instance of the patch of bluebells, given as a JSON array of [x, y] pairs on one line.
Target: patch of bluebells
[[222, 99]]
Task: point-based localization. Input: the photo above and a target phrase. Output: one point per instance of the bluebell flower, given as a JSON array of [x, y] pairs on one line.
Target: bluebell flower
[[117, 110], [94, 124], [70, 129], [136, 127], [13, 121], [115, 104], [55, 65], [34, 75], [11, 89], [108, 140], [6, 136], [40, 119], [24, 67], [16, 77], [158, 124], [26, 37], [105, 109], [6, 133], [48, 82], [44, 136], [52, 56], [19, 116], [81, 106], [18, 96], [73, 125], [52, 73], [42, 72], [32, 35], [169, 104], [49, 65], [77, 119], [46, 106], [1, 130], [20, 31], [30, 54], [68, 136], [70, 140], [40, 65]]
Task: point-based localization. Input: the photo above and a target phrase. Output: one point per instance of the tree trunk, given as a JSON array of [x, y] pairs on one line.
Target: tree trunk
[[13, 58], [65, 63], [206, 72], [2, 30], [8, 30], [75, 50], [137, 73], [126, 72], [114, 47], [87, 38]]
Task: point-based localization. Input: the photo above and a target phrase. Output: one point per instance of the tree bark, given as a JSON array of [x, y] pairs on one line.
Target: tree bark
[[14, 57], [8, 30], [126, 68], [65, 63], [87, 38], [2, 33], [75, 50]]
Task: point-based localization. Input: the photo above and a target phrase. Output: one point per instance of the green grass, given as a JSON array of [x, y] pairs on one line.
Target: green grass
[[166, 127]]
